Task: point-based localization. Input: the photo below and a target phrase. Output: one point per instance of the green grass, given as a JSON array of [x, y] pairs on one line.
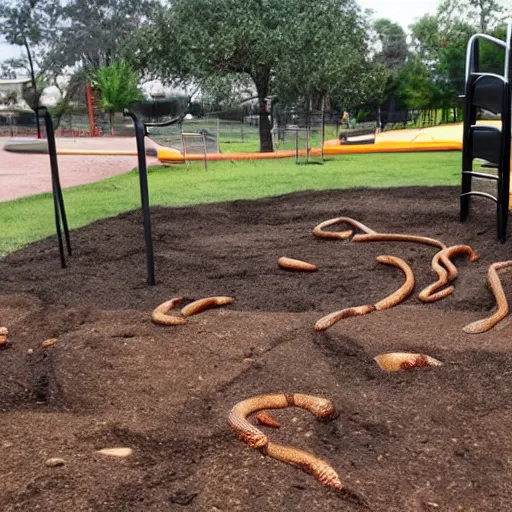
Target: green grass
[[29, 219]]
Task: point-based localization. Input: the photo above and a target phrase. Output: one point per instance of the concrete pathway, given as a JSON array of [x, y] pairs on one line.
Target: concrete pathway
[[23, 174]]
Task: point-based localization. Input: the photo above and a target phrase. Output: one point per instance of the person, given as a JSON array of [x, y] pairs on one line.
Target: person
[[345, 118]]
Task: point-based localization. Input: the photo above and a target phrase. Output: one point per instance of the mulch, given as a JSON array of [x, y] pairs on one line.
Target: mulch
[[422, 440]]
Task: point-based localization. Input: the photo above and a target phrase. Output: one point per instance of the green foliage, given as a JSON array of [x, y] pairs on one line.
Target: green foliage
[[261, 40], [415, 88], [118, 84]]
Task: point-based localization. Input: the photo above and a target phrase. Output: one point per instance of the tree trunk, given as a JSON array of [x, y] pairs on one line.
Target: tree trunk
[[34, 86], [261, 79], [111, 121]]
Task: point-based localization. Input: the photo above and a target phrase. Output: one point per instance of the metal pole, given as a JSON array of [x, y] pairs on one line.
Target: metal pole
[[140, 133], [58, 200], [218, 135], [184, 142], [297, 147], [205, 157], [322, 135]]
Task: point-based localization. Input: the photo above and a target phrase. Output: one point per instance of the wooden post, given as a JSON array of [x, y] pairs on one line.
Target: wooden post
[[88, 90]]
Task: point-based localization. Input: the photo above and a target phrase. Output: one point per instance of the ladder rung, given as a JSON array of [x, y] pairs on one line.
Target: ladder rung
[[482, 175], [481, 194]]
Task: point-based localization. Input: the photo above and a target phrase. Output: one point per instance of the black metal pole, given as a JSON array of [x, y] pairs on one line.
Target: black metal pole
[[58, 199], [467, 146], [504, 166], [52, 149], [140, 133]]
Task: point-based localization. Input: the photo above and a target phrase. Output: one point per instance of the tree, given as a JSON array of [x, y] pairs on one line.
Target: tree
[[326, 54], [484, 15], [26, 23], [389, 60], [93, 33], [118, 85], [252, 38], [393, 42]]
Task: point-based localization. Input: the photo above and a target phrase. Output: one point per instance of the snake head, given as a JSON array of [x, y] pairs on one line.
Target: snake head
[[255, 439], [324, 409]]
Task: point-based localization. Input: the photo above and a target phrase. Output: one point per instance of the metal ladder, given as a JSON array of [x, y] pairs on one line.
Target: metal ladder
[[491, 92]]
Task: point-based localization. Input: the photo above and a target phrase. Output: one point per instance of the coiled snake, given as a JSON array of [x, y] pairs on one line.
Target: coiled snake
[[322, 408]]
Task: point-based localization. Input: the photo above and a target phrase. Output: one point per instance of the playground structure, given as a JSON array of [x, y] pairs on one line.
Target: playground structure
[[491, 92]]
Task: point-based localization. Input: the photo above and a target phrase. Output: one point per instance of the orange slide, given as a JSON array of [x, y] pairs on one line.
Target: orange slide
[[439, 138]]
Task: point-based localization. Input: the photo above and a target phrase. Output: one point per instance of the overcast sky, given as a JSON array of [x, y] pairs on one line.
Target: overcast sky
[[404, 12]]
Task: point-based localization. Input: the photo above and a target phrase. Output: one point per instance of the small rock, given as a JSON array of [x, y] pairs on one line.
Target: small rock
[[4, 332], [55, 462], [30, 351], [116, 452], [49, 342], [248, 361], [7, 444]]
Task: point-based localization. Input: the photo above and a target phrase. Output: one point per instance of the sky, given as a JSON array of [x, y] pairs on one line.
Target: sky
[[404, 12]]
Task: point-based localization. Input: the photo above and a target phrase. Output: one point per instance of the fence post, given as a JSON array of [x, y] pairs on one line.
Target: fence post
[[218, 135]]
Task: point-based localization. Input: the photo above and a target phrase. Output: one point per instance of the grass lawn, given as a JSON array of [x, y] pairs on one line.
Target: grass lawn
[[29, 219]]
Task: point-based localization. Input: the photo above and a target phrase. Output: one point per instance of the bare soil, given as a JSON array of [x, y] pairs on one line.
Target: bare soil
[[422, 440]]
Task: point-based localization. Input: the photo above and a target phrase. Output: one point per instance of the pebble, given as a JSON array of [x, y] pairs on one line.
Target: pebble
[[4, 332], [116, 452], [248, 361], [49, 342], [55, 462]]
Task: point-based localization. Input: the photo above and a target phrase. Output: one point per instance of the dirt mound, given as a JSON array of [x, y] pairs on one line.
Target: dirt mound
[[408, 441]]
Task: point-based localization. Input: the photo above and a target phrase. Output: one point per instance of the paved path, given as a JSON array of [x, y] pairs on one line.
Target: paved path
[[27, 174]]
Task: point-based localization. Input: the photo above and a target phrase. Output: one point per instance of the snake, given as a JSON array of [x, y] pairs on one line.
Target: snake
[[322, 408], [293, 264], [395, 298], [496, 287], [160, 316], [446, 274], [396, 361], [404, 291], [341, 235], [208, 302], [396, 237]]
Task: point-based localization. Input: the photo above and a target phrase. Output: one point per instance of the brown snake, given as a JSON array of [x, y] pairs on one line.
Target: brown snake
[[445, 274], [160, 316], [391, 300], [501, 300], [341, 235], [255, 438], [395, 237]]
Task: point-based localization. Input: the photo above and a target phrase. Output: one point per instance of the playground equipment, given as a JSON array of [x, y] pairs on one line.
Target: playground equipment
[[491, 92]]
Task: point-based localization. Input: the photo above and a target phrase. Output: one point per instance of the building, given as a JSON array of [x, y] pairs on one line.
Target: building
[[13, 93]]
